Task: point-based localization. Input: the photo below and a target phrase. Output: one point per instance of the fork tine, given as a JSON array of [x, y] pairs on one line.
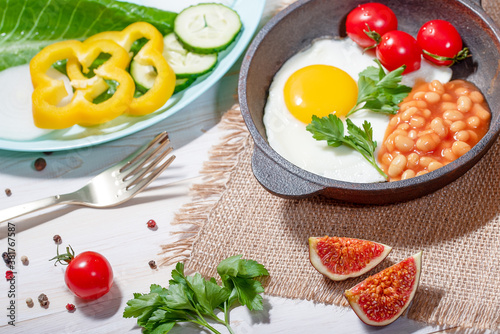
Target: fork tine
[[137, 166], [140, 152], [141, 172], [139, 185]]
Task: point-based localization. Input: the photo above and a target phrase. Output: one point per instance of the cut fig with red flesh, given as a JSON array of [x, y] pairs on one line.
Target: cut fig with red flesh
[[382, 298], [340, 258]]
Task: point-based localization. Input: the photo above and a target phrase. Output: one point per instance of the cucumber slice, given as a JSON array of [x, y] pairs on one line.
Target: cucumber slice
[[207, 27], [185, 63], [144, 75], [183, 83]]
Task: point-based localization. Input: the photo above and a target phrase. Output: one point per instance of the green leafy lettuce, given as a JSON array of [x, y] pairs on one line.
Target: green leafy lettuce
[[27, 26]]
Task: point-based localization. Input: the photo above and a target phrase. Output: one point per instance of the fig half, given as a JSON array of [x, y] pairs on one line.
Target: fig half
[[341, 258], [382, 298]]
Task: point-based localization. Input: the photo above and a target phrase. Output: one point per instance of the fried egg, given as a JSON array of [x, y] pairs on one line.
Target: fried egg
[[317, 81]]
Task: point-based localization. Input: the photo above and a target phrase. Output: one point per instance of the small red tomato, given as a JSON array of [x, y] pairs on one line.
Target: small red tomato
[[441, 43], [88, 275], [399, 48], [374, 17]]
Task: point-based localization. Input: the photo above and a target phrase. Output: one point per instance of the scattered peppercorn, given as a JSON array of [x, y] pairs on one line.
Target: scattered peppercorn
[[24, 260], [152, 264], [6, 258], [151, 223], [9, 275], [40, 164], [43, 300], [57, 239], [8, 192], [29, 302], [70, 307]]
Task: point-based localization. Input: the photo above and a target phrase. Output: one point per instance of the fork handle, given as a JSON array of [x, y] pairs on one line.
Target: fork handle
[[33, 206]]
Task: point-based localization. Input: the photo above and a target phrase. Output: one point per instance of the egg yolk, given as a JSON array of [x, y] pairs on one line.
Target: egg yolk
[[320, 90]]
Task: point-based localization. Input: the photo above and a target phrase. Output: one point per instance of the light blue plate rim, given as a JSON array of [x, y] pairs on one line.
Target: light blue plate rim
[[250, 13]]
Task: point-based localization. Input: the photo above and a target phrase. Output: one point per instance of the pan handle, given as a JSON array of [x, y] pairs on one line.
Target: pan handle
[[280, 181]]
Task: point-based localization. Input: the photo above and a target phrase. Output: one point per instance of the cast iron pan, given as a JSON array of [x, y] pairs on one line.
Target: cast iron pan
[[294, 28]]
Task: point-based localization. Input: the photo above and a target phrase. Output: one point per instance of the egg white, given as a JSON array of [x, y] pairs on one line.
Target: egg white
[[289, 137]]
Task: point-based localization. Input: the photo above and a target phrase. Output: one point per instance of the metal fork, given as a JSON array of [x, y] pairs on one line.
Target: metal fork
[[114, 186]]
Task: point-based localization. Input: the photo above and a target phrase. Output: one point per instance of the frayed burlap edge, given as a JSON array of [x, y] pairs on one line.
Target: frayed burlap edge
[[222, 159]]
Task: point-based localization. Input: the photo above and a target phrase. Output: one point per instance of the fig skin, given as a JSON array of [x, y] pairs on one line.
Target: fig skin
[[360, 313], [319, 266]]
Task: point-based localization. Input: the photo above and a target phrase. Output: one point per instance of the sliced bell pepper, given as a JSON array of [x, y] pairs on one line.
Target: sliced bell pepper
[[150, 54], [49, 92]]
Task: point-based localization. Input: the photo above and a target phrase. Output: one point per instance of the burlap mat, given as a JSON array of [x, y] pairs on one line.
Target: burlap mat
[[457, 227]]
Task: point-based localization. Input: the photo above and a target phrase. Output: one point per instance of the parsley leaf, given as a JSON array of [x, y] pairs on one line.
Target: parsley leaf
[[331, 129], [379, 91], [195, 299]]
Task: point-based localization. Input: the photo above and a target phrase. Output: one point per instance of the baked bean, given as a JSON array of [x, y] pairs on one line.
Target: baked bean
[[425, 161], [394, 121], [432, 97], [449, 155], [403, 126], [473, 137], [448, 106], [397, 165], [453, 115], [426, 113], [419, 95], [446, 97], [462, 135], [417, 122], [407, 174], [403, 143], [464, 104], [461, 91], [412, 134], [473, 122], [386, 158], [400, 132], [407, 105], [412, 160], [425, 132], [408, 113], [476, 97], [460, 148], [438, 127], [426, 143], [421, 104], [422, 172], [389, 142], [457, 126], [437, 86], [434, 165], [481, 112]]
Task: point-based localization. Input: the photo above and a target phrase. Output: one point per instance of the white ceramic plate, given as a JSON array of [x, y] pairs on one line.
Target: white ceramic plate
[[17, 132]]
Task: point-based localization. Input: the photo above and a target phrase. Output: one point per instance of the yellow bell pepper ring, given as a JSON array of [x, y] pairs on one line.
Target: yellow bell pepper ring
[[49, 92], [150, 54]]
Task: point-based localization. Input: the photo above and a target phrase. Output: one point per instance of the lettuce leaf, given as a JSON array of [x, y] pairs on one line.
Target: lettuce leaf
[[27, 26]]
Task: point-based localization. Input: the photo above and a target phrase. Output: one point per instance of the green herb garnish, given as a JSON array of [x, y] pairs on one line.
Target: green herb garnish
[[195, 299], [380, 92], [331, 129]]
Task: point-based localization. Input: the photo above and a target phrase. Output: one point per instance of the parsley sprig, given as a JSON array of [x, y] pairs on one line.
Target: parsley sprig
[[195, 299], [379, 91], [331, 129]]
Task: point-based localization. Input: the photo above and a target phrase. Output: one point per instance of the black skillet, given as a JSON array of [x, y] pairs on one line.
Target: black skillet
[[294, 28]]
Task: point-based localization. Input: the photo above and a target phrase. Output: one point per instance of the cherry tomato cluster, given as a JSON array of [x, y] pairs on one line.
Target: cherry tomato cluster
[[374, 25]]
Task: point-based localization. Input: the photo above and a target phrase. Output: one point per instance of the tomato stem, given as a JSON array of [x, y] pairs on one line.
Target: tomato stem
[[373, 35], [65, 258], [461, 55]]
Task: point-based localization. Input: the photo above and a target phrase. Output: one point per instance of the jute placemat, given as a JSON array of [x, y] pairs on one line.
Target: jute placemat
[[457, 227]]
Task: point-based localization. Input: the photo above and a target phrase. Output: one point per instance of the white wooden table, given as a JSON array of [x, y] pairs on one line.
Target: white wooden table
[[121, 235]]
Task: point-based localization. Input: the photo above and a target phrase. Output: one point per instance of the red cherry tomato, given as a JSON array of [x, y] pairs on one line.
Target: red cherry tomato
[[370, 16], [89, 275], [442, 40], [399, 48]]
